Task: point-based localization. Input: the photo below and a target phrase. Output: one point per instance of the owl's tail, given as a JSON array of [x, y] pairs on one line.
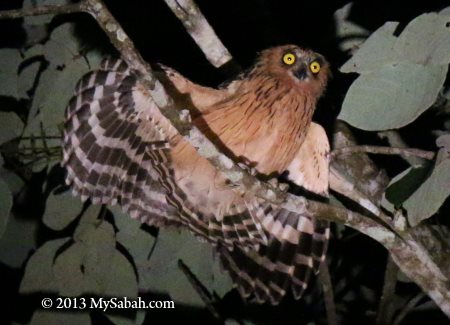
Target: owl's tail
[[286, 263]]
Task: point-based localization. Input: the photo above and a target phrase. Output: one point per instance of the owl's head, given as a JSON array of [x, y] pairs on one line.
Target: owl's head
[[299, 67]]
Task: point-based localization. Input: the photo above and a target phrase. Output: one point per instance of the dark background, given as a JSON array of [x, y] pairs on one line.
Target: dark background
[[246, 27]]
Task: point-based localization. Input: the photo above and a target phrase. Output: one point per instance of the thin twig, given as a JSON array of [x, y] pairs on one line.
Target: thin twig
[[395, 140], [41, 10], [204, 294], [385, 308], [327, 287], [408, 307], [42, 137], [407, 152]]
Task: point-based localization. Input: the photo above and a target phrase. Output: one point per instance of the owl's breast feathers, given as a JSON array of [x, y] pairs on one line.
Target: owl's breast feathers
[[264, 122], [118, 146]]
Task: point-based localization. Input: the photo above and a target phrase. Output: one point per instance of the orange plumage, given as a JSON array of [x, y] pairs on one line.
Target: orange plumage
[[263, 118]]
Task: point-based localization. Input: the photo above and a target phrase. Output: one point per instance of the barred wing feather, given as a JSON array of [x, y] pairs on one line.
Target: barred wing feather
[[116, 151]]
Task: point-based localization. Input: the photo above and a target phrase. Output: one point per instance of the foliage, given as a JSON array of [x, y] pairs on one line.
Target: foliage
[[113, 257], [400, 78], [69, 248]]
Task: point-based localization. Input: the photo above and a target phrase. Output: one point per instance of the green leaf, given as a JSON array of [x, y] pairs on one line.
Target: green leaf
[[11, 126], [98, 243], [400, 76], [46, 317], [69, 273], [29, 71], [426, 40], [12, 180], [92, 264], [5, 205], [403, 185], [73, 267], [165, 275], [56, 86], [375, 52], [139, 244], [6, 199], [61, 210], [137, 241], [54, 92], [124, 222], [426, 201], [63, 46], [77, 273], [38, 275], [393, 96], [18, 240], [27, 78], [37, 139], [121, 280], [42, 19], [94, 59], [9, 66]]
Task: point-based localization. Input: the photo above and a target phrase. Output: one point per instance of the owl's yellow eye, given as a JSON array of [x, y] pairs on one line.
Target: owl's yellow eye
[[289, 58], [314, 67]]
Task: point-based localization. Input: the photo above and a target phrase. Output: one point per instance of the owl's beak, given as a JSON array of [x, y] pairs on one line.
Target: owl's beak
[[301, 72]]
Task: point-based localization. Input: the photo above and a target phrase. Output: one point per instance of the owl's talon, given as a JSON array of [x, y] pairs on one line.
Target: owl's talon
[[273, 182], [251, 170], [283, 187]]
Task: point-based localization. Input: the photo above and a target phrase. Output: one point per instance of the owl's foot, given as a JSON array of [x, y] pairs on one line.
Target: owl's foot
[[251, 170], [283, 187]]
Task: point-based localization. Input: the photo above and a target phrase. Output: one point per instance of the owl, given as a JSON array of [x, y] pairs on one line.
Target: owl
[[119, 149]]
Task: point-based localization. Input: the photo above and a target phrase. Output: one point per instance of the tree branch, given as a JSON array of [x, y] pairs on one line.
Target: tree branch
[[328, 294], [407, 152], [41, 10], [395, 140], [200, 30], [340, 184], [386, 304], [408, 307], [360, 170], [412, 258]]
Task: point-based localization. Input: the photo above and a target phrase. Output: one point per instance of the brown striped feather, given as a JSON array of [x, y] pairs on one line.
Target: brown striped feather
[[118, 148]]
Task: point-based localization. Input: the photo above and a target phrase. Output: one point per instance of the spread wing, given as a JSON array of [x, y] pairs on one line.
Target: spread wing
[[310, 167], [113, 147], [297, 244], [116, 152]]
